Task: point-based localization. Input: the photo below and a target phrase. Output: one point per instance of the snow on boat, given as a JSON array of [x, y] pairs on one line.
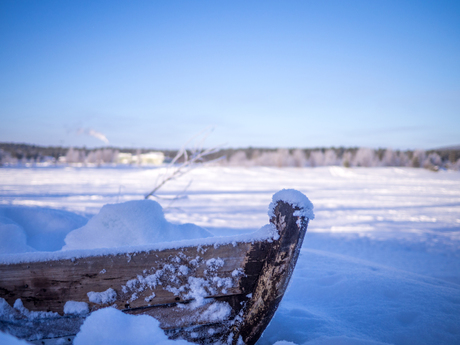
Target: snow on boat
[[223, 290]]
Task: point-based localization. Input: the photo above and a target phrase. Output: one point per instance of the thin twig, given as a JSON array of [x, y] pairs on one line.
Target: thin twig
[[191, 160]]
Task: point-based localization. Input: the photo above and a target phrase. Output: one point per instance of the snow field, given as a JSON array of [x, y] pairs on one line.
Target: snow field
[[332, 295], [380, 262]]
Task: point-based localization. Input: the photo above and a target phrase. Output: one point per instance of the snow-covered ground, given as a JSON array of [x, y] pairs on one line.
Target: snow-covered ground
[[380, 262]]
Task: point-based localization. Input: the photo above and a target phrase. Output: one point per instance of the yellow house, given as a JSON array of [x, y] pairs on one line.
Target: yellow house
[[124, 158], [154, 158], [149, 158]]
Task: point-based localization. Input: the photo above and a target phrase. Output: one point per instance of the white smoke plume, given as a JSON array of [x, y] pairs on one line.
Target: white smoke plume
[[91, 132], [98, 135]]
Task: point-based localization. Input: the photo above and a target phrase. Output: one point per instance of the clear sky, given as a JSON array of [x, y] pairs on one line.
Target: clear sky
[[264, 73]]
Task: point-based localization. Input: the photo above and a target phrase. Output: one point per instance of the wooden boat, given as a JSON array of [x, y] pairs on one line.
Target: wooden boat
[[214, 293]]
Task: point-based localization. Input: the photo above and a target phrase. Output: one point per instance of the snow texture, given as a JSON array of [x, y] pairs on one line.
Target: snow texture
[[77, 308], [25, 229], [181, 280], [110, 326], [104, 297], [13, 238], [6, 311], [6, 339], [295, 198], [131, 223], [218, 311], [23, 311], [267, 232]]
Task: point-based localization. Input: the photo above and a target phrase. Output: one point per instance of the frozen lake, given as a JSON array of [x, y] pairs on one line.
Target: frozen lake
[[380, 263]]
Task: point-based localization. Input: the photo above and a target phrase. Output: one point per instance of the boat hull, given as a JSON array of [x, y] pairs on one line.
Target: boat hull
[[205, 294]]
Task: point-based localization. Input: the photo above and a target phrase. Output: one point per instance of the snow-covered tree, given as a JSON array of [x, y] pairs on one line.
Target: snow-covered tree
[[283, 158], [347, 159], [316, 158], [390, 158], [433, 161], [418, 157], [404, 159], [330, 158], [72, 156], [299, 159], [109, 156], [265, 159], [6, 158], [365, 157], [238, 159]]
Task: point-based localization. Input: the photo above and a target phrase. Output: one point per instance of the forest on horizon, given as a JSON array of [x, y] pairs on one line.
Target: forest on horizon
[[12, 154]]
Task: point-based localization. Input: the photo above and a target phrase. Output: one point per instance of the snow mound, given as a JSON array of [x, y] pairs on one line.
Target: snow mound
[[105, 297], [74, 307], [25, 229], [111, 326], [295, 198], [132, 223], [13, 238], [7, 339]]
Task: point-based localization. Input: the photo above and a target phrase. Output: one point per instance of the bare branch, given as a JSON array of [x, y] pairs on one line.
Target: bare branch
[[196, 157]]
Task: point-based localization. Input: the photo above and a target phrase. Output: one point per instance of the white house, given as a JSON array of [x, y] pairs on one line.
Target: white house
[[149, 158]]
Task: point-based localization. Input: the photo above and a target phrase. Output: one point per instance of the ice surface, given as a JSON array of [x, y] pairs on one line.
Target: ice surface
[[132, 223], [110, 326], [380, 263]]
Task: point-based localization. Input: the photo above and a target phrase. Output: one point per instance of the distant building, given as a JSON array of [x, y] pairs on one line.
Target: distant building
[[154, 158], [124, 158], [149, 158]]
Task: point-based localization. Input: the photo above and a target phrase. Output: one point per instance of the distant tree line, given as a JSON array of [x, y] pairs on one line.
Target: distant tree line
[[347, 157], [449, 158], [30, 153], [25, 154]]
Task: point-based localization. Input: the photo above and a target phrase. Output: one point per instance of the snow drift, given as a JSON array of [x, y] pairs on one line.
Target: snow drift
[[132, 223], [25, 229]]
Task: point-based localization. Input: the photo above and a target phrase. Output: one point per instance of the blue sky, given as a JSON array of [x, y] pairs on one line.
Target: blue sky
[[263, 73]]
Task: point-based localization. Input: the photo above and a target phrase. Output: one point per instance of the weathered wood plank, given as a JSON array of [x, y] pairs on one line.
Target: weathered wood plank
[[46, 286], [275, 274]]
